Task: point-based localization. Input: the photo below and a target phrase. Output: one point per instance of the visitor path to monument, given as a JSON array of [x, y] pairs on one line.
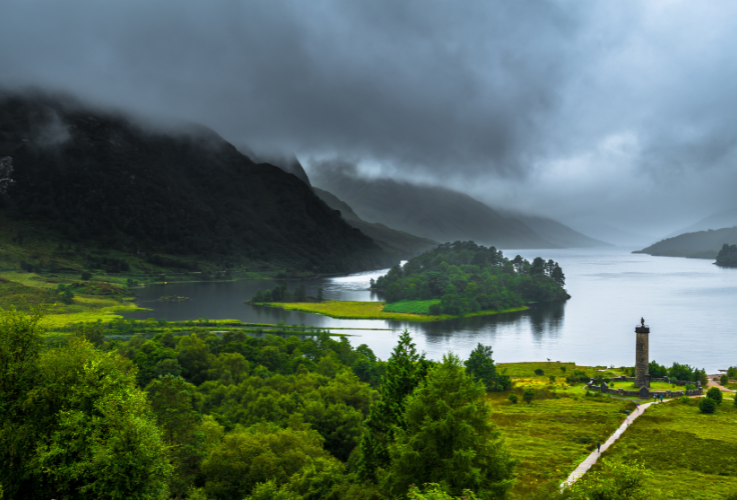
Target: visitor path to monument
[[591, 459]]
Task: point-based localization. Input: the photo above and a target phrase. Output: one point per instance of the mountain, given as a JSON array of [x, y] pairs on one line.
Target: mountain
[[719, 220], [555, 232], [398, 242], [105, 180], [700, 245], [430, 212]]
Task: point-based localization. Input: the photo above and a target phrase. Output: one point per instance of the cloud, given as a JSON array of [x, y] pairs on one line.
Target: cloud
[[615, 109]]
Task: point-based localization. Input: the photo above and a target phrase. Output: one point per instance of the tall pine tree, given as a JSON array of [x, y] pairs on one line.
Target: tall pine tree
[[405, 370]]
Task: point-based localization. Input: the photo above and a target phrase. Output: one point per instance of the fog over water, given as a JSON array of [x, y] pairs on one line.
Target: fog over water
[[596, 113], [688, 303]]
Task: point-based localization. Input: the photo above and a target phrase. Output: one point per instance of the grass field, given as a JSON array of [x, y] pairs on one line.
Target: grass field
[[366, 310], [561, 426], [691, 454], [411, 306]]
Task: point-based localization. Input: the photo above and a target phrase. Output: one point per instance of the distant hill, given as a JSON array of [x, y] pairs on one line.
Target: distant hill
[[556, 233], [103, 180], [404, 244], [430, 212], [699, 245], [719, 220]]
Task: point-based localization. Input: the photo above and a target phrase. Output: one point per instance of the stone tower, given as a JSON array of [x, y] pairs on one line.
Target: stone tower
[[642, 371]]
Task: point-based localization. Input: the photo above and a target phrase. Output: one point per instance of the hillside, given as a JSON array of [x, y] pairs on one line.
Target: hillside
[[397, 242], [718, 220], [430, 212], [700, 245], [555, 232], [101, 180]]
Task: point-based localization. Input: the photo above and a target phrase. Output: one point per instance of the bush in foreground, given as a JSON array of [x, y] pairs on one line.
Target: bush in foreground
[[707, 405], [716, 394]]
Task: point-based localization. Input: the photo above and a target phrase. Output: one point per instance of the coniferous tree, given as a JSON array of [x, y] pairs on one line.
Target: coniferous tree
[[405, 370], [449, 438], [480, 366]]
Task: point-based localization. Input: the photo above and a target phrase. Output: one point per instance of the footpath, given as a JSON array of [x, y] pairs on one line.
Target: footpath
[[591, 459]]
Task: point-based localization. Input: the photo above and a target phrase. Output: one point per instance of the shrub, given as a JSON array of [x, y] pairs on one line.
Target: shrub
[[707, 405], [513, 398], [716, 394], [539, 372], [723, 380], [86, 275], [563, 369], [528, 395], [690, 387], [552, 379]]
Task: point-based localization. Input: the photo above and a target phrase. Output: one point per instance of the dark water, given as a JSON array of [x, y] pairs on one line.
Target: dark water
[[690, 305]]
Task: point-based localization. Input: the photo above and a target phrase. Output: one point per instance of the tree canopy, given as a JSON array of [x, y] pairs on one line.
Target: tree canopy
[[467, 277]]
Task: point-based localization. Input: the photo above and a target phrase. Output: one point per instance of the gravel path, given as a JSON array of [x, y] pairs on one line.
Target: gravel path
[[591, 459]]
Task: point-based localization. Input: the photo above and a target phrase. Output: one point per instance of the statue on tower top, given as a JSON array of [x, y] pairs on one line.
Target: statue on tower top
[[642, 320]]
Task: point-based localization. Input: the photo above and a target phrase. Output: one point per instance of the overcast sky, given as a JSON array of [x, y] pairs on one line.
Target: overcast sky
[[614, 112]]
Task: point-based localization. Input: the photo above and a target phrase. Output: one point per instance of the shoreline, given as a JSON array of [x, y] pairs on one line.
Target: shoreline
[[370, 310]]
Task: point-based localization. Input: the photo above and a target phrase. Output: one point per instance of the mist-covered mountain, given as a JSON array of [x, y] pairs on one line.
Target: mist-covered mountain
[[555, 232], [700, 244], [440, 214], [719, 220], [391, 240], [100, 178]]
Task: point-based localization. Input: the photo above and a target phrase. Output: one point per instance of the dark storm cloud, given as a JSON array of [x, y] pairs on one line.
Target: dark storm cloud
[[615, 110]]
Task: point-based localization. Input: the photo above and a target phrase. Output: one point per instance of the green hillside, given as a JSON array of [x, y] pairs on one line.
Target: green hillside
[[95, 180], [699, 245]]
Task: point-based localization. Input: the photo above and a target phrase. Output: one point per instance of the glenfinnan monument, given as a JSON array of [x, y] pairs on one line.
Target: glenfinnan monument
[[642, 375]]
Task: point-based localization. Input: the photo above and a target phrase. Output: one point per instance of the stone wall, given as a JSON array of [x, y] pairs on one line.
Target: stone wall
[[644, 392], [664, 380]]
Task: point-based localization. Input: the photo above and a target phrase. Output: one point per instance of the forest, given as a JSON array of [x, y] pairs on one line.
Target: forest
[[234, 416], [467, 278], [727, 256]]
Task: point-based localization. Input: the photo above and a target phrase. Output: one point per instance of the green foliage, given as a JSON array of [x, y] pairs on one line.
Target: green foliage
[[433, 491], [480, 366], [244, 459], [528, 395], [414, 306], [86, 276], [175, 403], [87, 430], [319, 295], [405, 370], [513, 399], [449, 438], [723, 380], [613, 481], [716, 394], [20, 349], [467, 278], [707, 405], [539, 372]]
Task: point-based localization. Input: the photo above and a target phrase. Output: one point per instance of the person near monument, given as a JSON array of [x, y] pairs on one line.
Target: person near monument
[[598, 447]]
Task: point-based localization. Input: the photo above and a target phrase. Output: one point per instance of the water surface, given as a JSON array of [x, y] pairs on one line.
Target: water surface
[[690, 305]]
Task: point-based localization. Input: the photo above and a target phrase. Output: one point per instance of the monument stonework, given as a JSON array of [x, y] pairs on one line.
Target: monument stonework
[[642, 359]]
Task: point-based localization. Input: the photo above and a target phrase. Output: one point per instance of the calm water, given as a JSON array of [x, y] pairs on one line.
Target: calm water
[[690, 305]]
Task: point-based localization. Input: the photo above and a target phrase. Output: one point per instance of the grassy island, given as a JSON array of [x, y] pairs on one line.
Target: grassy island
[[368, 310]]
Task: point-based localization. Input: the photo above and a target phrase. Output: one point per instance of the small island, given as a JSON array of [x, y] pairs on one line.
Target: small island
[[453, 280]]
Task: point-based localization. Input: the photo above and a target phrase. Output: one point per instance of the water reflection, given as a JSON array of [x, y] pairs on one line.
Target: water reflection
[[611, 289]]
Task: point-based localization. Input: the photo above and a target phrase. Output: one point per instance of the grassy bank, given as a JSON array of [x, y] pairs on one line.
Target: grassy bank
[[691, 454], [561, 426], [367, 310]]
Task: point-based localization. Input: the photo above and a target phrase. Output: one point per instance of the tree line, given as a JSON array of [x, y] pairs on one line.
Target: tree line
[[235, 416], [727, 256], [467, 277]]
